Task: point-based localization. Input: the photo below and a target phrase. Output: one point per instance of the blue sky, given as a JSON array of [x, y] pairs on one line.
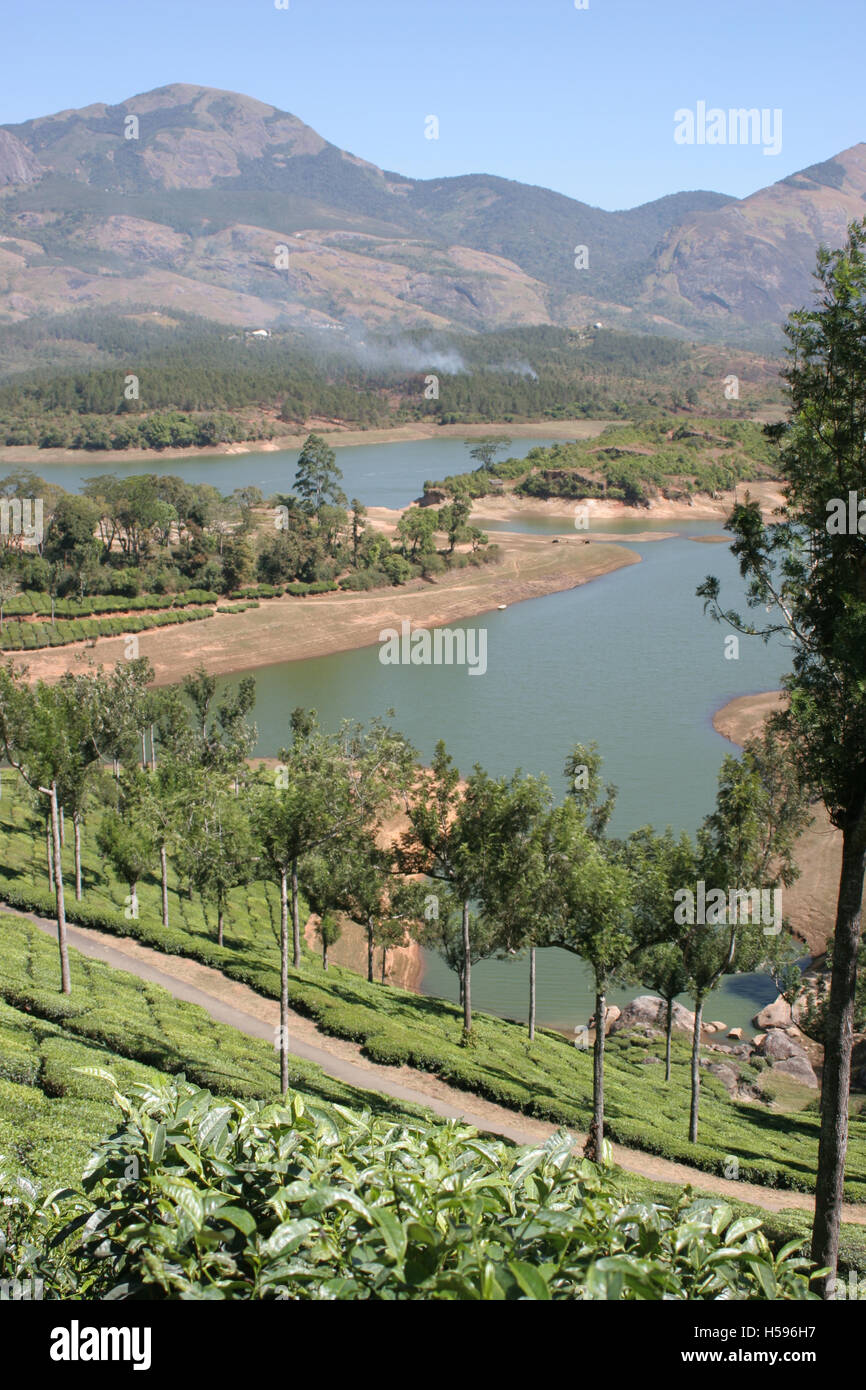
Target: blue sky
[[582, 101]]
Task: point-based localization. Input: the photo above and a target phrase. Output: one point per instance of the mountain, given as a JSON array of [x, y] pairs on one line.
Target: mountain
[[223, 206]]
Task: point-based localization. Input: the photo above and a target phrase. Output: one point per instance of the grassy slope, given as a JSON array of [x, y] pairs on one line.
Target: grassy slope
[[550, 1079]]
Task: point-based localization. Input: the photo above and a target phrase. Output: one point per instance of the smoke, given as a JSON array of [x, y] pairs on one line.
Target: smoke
[[404, 356]]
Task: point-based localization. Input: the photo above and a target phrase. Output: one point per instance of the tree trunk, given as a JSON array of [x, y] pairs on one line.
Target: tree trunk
[[220, 923], [532, 994], [325, 954], [370, 950], [384, 963], [163, 868], [696, 1070], [836, 1079], [133, 901], [143, 750], [76, 827], [668, 1031], [65, 982], [152, 749], [296, 925], [62, 828], [467, 973], [594, 1148], [49, 850], [284, 983]]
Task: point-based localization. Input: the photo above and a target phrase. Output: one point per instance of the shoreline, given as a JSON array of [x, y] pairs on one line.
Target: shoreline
[[28, 455], [297, 629]]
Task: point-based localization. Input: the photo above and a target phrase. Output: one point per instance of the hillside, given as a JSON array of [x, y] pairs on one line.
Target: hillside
[[180, 197]]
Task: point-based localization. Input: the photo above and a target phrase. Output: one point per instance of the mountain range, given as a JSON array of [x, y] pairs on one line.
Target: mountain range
[[219, 205]]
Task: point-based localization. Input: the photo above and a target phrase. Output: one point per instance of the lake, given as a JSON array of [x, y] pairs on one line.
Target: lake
[[628, 660]]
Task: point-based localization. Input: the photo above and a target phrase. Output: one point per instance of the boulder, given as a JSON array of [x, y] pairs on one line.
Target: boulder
[[778, 1046], [736, 1034], [611, 1014], [758, 1039], [715, 1027], [775, 1015], [799, 1068], [648, 1011], [729, 1078]]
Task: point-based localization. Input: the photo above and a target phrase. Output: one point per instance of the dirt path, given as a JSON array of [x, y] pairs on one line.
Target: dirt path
[[239, 1006]]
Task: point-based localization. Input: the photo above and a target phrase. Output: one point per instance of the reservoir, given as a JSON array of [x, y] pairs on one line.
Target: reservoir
[[628, 660]]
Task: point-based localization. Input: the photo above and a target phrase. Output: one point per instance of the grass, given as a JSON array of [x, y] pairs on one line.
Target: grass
[[549, 1079]]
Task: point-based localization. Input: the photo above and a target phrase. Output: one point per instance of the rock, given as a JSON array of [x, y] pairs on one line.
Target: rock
[[648, 1011], [611, 1014], [741, 1050], [775, 1015], [799, 1068], [652, 1062], [778, 1046], [736, 1034], [729, 1078], [758, 1039], [715, 1027]]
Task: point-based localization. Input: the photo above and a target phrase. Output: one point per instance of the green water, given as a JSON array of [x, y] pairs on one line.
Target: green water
[[381, 475], [628, 660]]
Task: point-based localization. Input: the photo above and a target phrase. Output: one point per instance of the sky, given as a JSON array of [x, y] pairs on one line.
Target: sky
[[581, 100]]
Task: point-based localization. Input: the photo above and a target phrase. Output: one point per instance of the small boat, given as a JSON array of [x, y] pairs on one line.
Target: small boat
[[502, 605]]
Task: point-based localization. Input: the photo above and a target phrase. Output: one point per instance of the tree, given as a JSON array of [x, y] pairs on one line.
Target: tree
[[217, 851], [745, 845], [659, 866], [416, 529], [453, 520], [329, 932], [317, 478], [589, 913], [484, 450], [355, 876], [514, 889], [808, 570], [35, 740], [359, 523], [8, 590], [124, 837], [458, 836], [324, 788]]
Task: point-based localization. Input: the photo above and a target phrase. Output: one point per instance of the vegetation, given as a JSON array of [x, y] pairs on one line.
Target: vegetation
[[811, 579], [200, 385], [154, 549], [629, 463], [194, 1198]]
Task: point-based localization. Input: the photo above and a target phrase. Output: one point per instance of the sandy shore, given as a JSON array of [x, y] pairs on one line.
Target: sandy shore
[[810, 903], [292, 629], [507, 507], [27, 455]]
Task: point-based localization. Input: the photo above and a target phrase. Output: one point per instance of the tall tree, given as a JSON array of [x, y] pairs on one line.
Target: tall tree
[[808, 567], [35, 740], [745, 844], [317, 479]]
